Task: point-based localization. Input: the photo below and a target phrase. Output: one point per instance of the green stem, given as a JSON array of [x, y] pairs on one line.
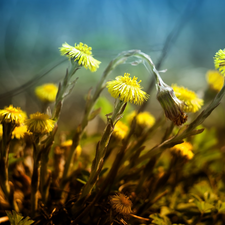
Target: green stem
[[35, 179], [121, 58], [97, 163], [44, 176], [4, 157]]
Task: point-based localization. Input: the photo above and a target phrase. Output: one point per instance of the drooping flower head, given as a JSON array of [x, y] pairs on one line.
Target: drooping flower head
[[82, 54], [12, 115], [184, 149], [219, 61], [127, 89], [215, 80], [120, 130], [121, 204], [173, 107], [39, 123], [191, 101], [46, 92], [143, 119]]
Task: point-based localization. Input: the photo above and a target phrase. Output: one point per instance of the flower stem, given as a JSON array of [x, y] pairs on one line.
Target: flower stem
[[97, 163], [4, 157], [35, 179], [121, 58]]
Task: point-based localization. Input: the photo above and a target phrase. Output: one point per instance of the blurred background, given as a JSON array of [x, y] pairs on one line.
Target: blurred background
[[182, 35]]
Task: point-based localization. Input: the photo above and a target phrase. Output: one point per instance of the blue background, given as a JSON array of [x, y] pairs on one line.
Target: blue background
[[33, 30]]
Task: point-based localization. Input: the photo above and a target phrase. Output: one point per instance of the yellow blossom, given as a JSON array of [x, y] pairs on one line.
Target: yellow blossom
[[46, 92], [82, 54], [40, 123], [120, 130], [121, 204], [127, 89], [69, 143], [144, 119], [184, 149], [219, 61], [12, 115], [191, 101], [215, 80], [19, 132]]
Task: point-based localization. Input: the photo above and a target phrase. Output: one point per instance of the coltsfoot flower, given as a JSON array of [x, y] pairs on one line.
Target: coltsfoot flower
[[46, 92], [19, 132], [184, 149], [191, 101], [120, 130], [215, 80], [143, 119], [127, 89], [12, 115], [121, 204], [172, 106], [219, 61], [39, 123], [82, 54]]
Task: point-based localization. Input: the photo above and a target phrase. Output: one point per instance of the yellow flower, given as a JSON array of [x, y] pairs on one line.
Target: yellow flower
[[69, 143], [120, 130], [19, 132], [191, 102], [219, 61], [46, 92], [121, 204], [184, 149], [215, 80], [40, 123], [82, 54], [172, 106], [144, 119], [127, 89], [12, 115]]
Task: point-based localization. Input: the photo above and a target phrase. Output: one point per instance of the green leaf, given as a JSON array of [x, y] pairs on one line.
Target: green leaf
[[103, 171], [13, 159], [160, 220], [18, 219], [105, 105], [221, 207], [81, 181], [204, 207], [94, 114]]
